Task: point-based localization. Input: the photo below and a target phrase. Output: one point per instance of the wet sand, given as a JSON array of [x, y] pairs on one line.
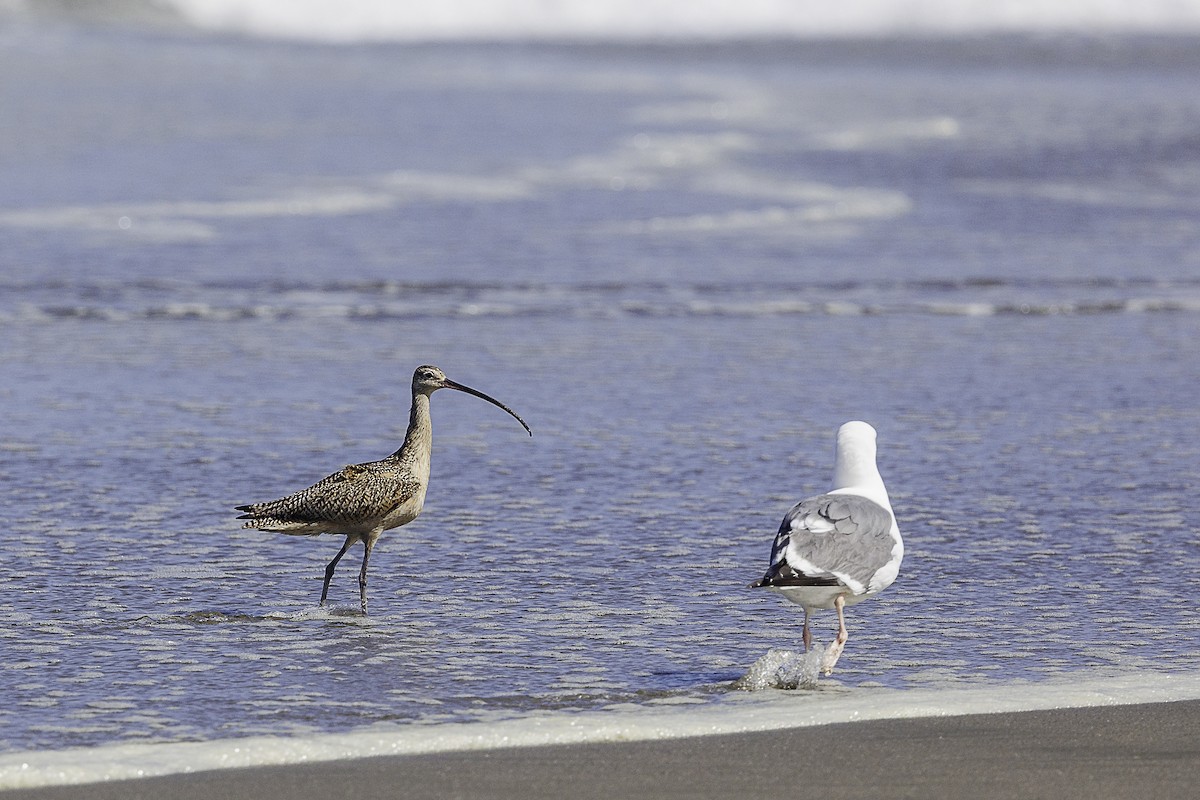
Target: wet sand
[[1143, 751]]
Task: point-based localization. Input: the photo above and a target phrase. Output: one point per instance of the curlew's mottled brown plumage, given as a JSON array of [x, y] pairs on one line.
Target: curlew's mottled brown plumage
[[361, 501]]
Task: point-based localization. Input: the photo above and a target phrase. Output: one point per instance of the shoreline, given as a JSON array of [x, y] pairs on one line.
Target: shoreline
[[768, 713], [1097, 752], [734, 713]]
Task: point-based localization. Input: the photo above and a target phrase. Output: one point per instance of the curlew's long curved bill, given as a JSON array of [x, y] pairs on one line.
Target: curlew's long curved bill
[[449, 384]]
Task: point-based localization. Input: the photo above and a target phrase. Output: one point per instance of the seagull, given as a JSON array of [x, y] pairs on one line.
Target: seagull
[[362, 501], [841, 547]]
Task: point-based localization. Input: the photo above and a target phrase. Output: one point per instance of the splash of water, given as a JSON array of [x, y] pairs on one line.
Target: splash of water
[[783, 669]]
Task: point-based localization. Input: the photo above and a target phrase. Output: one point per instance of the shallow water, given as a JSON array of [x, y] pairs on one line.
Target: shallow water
[[684, 267]]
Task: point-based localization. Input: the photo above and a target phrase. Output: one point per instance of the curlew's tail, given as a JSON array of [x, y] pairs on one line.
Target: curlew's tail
[[256, 513], [259, 516]]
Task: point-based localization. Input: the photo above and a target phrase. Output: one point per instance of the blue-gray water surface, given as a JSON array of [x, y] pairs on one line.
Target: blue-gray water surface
[[684, 266]]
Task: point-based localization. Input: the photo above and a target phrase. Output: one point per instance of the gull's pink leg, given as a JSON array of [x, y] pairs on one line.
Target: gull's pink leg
[[835, 648], [807, 633]]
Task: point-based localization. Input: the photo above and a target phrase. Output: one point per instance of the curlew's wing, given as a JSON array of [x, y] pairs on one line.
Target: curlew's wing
[[345, 499], [828, 540]]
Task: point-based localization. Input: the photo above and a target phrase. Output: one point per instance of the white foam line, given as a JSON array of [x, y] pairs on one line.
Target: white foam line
[[737, 713], [364, 20]]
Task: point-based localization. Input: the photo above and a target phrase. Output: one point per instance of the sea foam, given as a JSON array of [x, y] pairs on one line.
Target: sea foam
[[381, 20]]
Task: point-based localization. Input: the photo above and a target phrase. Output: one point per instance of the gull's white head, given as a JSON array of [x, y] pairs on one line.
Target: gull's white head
[[855, 468], [856, 431]]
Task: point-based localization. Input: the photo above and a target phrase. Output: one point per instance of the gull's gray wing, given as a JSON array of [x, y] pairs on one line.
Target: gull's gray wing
[[831, 539]]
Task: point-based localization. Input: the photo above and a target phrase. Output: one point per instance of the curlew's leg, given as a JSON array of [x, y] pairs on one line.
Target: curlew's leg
[[807, 632], [368, 544], [333, 565], [835, 648]]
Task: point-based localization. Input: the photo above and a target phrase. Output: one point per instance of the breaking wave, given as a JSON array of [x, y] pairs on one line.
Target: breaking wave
[[410, 20], [55, 301]]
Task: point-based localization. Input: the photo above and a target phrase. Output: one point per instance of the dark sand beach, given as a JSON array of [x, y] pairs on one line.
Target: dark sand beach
[[1145, 751]]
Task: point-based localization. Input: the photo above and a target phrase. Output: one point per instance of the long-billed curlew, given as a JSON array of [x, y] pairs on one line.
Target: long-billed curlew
[[838, 548], [362, 501]]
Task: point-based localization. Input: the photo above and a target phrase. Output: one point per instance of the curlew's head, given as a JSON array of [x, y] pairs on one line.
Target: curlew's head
[[428, 379]]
